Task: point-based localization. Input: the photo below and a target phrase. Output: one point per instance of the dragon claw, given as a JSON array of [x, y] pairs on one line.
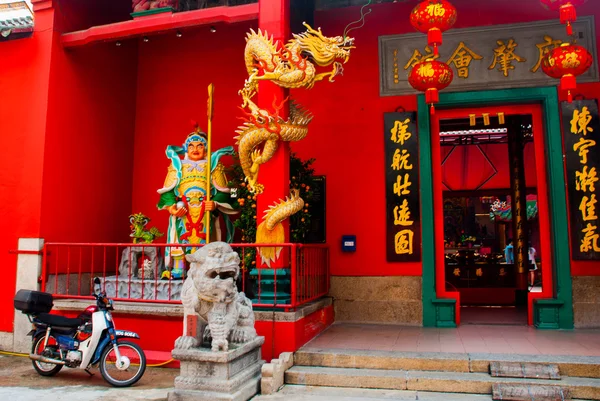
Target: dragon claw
[[255, 155]]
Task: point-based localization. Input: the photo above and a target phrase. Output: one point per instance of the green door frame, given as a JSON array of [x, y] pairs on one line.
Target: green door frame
[[555, 313]]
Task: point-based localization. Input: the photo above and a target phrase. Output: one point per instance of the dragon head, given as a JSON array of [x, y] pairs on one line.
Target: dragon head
[[324, 50], [137, 223]]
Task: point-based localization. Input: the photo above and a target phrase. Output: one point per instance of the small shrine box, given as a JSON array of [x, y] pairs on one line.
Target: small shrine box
[[33, 302]]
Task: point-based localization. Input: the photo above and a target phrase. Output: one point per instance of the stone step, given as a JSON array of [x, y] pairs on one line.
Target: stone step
[[292, 392], [312, 393], [451, 382], [528, 393], [525, 370], [568, 365]]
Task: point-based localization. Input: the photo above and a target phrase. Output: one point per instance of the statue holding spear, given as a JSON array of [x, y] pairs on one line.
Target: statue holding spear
[[195, 191]]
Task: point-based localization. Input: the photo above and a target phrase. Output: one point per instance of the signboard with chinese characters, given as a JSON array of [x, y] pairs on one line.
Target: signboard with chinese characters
[[16, 19], [491, 57], [403, 216], [581, 130]]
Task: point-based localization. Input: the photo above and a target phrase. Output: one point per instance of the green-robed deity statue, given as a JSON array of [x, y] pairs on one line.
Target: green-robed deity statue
[[184, 192]]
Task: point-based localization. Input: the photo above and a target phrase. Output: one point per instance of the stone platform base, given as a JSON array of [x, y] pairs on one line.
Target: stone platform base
[[135, 288], [206, 376]]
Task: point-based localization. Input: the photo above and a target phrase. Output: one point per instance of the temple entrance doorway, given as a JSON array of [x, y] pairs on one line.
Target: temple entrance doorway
[[490, 193]]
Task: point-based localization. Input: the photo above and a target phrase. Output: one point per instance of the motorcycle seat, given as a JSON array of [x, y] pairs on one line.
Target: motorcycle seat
[[61, 321]]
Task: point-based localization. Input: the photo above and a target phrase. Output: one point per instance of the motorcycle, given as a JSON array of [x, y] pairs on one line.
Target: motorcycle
[[88, 340]]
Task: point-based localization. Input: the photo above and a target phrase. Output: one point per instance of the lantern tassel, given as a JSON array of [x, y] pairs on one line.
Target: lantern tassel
[[569, 97], [569, 29], [431, 110]]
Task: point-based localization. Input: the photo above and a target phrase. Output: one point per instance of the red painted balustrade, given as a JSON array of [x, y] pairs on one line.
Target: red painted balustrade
[[136, 272]]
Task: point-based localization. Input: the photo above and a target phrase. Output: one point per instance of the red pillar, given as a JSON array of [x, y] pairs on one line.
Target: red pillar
[[24, 79], [274, 18]]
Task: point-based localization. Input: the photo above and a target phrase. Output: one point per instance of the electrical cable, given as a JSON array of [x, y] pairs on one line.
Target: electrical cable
[[13, 353], [153, 365]]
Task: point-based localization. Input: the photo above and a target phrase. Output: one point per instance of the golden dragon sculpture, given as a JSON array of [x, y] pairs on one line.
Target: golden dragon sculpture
[[271, 231], [293, 65], [289, 66], [267, 130]]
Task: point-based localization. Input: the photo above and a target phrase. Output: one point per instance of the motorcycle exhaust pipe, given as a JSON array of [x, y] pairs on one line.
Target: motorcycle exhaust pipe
[[40, 358]]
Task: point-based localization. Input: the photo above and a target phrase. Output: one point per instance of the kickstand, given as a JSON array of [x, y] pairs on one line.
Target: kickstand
[[88, 372]]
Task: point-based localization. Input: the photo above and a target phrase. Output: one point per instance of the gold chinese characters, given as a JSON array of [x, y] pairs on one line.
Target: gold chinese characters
[[585, 180], [504, 57], [462, 58], [402, 164]]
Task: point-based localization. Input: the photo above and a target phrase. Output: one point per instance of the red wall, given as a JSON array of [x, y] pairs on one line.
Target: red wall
[[345, 136], [89, 144], [24, 85], [78, 116], [173, 76], [67, 141]]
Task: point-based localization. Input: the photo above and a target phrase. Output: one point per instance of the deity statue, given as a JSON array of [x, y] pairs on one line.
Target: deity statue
[[144, 5], [184, 192]]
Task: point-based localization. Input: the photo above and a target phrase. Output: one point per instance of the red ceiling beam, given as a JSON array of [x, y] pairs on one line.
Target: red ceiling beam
[[160, 23]]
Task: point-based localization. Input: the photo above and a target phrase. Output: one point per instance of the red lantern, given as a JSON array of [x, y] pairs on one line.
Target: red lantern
[[567, 62], [433, 17], [567, 11], [430, 76]]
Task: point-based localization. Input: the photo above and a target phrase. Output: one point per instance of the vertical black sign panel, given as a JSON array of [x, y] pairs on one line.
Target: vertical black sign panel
[[581, 130], [403, 214]]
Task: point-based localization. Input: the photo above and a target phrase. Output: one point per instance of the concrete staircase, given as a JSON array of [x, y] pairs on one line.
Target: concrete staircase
[[360, 374]]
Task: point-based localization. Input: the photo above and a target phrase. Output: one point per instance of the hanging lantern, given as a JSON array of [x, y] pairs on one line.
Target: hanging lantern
[[433, 17], [567, 62], [430, 76], [568, 14]]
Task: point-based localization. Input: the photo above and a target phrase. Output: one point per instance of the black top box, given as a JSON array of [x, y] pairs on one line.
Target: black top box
[[33, 302]]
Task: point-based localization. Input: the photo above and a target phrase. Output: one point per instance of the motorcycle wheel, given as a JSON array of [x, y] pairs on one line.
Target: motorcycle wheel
[[43, 368], [128, 376]]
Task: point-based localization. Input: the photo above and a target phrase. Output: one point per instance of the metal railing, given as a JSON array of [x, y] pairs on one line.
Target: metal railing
[[137, 273]]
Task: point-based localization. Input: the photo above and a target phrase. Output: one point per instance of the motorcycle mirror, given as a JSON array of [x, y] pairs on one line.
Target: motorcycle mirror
[[96, 280]]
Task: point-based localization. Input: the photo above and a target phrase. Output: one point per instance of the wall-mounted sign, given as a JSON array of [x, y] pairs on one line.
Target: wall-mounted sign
[[499, 56], [581, 131], [403, 214], [16, 20]]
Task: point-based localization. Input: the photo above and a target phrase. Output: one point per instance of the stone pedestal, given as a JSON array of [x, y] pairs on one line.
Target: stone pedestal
[[135, 288], [210, 376]]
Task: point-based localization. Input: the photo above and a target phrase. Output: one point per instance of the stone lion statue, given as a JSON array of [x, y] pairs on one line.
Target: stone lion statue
[[212, 303]]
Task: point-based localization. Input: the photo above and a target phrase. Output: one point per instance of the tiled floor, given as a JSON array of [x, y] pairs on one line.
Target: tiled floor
[[464, 339]]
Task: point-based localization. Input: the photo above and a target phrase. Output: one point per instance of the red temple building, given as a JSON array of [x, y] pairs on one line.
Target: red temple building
[[418, 198]]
